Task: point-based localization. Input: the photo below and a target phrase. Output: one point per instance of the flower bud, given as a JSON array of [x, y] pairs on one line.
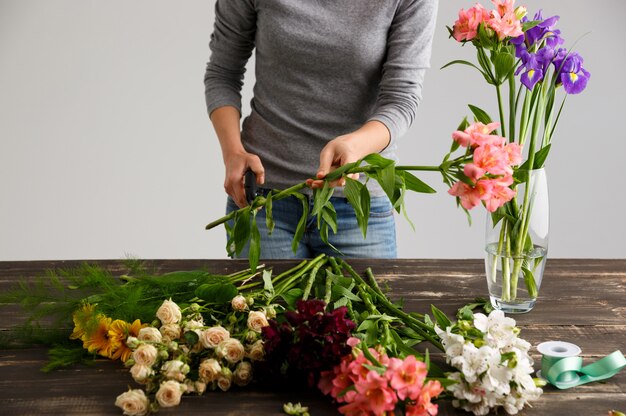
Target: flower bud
[[239, 303], [520, 12], [251, 337], [164, 354], [250, 300], [132, 342], [194, 307], [270, 312]]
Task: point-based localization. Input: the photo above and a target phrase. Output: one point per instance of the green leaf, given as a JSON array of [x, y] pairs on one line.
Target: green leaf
[[301, 225], [387, 180], [463, 62], [440, 317], [337, 173], [191, 338], [358, 196], [330, 216], [217, 292], [269, 216], [480, 114], [321, 198], [241, 230], [504, 64], [255, 244], [530, 24], [529, 280], [292, 296], [414, 184], [268, 286], [377, 160], [340, 291], [401, 346]]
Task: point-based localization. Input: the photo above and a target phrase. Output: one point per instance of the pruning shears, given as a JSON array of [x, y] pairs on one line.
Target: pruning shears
[[249, 185]]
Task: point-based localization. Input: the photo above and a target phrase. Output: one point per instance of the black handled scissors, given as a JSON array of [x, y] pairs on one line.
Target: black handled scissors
[[249, 185]]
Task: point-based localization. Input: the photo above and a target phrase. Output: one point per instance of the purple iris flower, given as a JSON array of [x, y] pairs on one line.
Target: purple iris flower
[[543, 31], [534, 71], [571, 72]]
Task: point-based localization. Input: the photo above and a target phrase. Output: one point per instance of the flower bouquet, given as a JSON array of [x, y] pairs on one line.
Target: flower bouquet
[[502, 161]]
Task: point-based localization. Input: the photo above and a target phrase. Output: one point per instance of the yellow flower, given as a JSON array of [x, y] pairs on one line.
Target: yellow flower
[[120, 331], [82, 318], [100, 341]]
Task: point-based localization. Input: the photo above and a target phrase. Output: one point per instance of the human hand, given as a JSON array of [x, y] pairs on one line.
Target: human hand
[[236, 165], [336, 153]]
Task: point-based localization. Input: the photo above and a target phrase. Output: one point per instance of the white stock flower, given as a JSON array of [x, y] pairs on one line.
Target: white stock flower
[[175, 370], [169, 313], [133, 402], [149, 334], [239, 303], [141, 373], [257, 320], [214, 336], [145, 354], [169, 393]]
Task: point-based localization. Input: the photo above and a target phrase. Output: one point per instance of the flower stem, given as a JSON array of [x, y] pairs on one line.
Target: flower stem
[[501, 110], [310, 281]]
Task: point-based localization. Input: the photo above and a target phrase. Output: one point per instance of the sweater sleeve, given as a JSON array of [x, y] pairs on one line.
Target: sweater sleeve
[[409, 45], [231, 44]]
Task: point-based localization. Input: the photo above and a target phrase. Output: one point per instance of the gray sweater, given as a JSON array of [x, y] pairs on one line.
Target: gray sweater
[[323, 69]]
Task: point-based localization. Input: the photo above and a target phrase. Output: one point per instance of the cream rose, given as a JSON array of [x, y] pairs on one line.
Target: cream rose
[[242, 374], [149, 334], [209, 370], [256, 351], [175, 370], [141, 373], [212, 337], [169, 393], [224, 379], [231, 350], [145, 354], [169, 313], [194, 325], [257, 320], [170, 332], [239, 303], [200, 387], [133, 403]]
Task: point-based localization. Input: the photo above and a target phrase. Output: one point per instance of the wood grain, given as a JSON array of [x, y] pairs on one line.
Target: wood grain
[[581, 301]]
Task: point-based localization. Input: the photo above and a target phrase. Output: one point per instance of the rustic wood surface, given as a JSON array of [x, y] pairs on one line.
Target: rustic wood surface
[[581, 301]]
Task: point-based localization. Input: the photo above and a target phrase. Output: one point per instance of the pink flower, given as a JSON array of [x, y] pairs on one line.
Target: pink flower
[[406, 377], [493, 159], [466, 27], [423, 406], [478, 134], [499, 192], [374, 394], [473, 171], [507, 24], [469, 196], [514, 153], [504, 7]]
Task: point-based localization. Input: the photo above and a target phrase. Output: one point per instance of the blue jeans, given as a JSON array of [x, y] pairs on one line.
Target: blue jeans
[[380, 241]]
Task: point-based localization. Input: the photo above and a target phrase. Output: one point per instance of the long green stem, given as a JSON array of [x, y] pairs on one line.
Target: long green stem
[[501, 111], [512, 108]]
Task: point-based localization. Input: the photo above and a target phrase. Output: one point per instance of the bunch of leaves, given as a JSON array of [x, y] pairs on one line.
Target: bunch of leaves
[[241, 225]]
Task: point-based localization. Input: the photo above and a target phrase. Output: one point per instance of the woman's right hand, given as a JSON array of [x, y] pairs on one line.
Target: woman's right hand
[[236, 165]]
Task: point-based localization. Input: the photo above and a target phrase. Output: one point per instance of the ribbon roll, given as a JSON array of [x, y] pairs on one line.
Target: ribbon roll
[[563, 368]]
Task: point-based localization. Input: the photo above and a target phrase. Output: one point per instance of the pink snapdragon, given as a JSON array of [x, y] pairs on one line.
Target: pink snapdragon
[[466, 27]]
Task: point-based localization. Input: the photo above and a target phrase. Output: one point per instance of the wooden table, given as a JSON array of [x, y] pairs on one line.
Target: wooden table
[[581, 301]]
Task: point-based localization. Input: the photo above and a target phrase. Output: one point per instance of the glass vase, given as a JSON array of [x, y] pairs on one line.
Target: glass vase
[[516, 245]]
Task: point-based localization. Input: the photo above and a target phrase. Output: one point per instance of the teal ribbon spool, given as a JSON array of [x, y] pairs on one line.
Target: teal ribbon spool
[[563, 368]]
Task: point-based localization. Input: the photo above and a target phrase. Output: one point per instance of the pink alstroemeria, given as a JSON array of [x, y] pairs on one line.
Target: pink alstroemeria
[[478, 134], [466, 27], [499, 192], [504, 7], [473, 171], [505, 25], [468, 195], [406, 376], [375, 391], [493, 159], [514, 153], [423, 406]]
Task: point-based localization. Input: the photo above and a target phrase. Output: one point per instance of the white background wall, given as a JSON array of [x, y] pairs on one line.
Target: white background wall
[[106, 149]]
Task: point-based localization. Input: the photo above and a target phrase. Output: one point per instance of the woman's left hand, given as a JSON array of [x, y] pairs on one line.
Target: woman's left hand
[[373, 137]]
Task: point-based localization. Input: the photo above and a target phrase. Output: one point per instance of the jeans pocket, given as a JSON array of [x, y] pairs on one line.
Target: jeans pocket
[[380, 207]]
